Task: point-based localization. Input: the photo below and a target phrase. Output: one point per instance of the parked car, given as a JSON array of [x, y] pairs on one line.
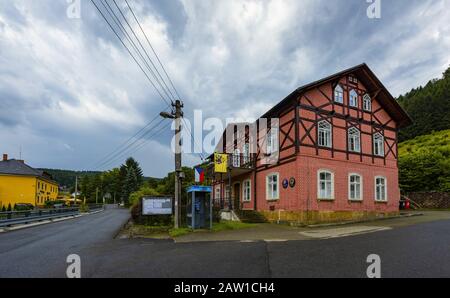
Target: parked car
[[23, 207]]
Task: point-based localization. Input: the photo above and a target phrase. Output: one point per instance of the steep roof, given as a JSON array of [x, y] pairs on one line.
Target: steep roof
[[18, 167], [368, 78]]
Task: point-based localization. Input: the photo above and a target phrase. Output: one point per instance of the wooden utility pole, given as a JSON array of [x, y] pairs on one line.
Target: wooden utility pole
[[178, 113]]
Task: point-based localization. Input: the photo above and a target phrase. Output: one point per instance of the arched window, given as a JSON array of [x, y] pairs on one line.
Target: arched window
[[353, 101], [325, 185], [339, 94], [378, 144], [380, 189], [355, 187], [367, 103], [324, 134], [354, 140]]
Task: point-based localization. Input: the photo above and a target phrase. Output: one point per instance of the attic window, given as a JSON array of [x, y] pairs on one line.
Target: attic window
[[353, 79]]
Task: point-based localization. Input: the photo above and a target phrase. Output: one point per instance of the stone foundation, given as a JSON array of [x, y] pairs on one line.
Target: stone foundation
[[314, 217]]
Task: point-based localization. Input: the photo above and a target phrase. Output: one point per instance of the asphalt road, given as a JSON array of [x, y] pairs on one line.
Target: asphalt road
[[421, 250]]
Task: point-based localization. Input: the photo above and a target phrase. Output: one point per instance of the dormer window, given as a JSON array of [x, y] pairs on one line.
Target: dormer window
[[367, 103], [353, 101], [339, 94]]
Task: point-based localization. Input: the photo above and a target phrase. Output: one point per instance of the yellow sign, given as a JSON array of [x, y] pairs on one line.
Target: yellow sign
[[220, 162]]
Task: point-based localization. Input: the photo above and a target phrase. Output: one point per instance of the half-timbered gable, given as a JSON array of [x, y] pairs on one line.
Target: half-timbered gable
[[335, 151]]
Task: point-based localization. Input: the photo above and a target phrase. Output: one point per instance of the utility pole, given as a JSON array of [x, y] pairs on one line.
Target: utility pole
[[176, 115], [96, 195], [75, 194]]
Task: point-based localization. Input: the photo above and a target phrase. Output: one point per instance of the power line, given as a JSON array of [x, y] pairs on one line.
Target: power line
[[131, 54], [119, 24], [153, 50], [126, 142], [129, 149], [145, 51], [164, 70]]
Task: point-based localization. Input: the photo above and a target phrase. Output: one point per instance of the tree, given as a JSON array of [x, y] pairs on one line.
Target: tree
[[428, 106]]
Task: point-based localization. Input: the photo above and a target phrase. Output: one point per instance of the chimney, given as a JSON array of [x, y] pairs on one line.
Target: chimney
[[5, 157]]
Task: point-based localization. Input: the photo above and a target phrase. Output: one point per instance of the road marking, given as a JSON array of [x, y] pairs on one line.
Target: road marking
[[342, 232], [275, 240]]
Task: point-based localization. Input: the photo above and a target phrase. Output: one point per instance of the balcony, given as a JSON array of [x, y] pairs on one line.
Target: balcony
[[238, 164]]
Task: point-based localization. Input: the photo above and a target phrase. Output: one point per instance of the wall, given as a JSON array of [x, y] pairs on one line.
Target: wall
[[432, 200], [15, 189]]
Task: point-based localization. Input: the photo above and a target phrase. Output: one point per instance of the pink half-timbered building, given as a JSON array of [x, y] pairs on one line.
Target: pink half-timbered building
[[336, 154]]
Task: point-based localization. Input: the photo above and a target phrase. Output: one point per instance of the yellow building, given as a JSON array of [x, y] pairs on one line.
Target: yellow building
[[20, 183]]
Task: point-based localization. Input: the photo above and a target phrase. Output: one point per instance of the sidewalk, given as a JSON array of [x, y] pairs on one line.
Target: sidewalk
[[274, 232]]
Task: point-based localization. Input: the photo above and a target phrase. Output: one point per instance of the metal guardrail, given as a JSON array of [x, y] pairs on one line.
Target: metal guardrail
[[11, 218]]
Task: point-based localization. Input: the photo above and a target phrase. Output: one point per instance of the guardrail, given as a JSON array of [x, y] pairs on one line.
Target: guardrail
[[23, 217]]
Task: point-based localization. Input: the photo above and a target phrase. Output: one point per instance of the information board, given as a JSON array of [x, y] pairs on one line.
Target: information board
[[156, 206]]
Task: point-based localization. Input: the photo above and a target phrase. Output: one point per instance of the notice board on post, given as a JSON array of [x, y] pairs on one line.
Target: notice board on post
[[157, 205]]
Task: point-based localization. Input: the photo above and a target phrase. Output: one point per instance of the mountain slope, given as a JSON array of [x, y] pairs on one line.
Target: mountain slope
[[424, 163], [428, 106]]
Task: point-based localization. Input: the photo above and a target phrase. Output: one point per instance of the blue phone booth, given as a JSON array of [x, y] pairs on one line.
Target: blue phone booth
[[199, 207]]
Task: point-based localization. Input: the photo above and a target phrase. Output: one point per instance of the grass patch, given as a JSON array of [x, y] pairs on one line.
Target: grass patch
[[163, 232], [179, 232], [230, 225]]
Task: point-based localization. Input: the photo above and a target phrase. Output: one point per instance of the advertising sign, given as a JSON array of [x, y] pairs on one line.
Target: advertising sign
[[156, 206]]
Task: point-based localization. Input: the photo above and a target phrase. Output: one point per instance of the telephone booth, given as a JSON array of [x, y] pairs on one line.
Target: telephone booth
[[199, 207]]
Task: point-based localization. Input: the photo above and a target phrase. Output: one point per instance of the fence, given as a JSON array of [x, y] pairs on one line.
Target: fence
[[431, 200], [24, 217]]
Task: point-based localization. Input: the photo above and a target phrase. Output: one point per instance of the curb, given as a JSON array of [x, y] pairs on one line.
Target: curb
[[362, 221], [45, 222]]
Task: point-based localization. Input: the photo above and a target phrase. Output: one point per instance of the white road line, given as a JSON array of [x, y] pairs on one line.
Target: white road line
[[342, 232]]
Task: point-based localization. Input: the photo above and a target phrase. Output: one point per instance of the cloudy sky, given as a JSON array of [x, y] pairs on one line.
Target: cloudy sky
[[70, 93]]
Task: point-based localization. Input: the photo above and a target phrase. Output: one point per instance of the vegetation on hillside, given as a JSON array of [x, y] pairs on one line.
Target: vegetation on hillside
[[428, 106], [424, 163]]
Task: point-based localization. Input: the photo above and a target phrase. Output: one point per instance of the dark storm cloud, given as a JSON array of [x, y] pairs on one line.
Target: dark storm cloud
[[69, 92]]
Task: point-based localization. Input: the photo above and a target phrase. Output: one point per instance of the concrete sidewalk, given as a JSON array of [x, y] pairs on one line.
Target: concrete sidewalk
[[275, 233]]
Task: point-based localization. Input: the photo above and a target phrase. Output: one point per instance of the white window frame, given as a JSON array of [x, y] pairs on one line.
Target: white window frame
[[378, 144], [376, 189], [353, 95], [339, 94], [218, 189], [367, 103], [268, 185], [236, 158], [272, 141], [319, 182], [354, 138], [246, 153], [350, 183], [244, 191], [327, 140]]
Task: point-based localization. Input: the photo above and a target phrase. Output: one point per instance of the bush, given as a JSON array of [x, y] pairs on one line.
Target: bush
[[136, 196]]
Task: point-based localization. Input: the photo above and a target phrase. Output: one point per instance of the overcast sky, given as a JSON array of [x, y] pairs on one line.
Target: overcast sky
[[70, 93]]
